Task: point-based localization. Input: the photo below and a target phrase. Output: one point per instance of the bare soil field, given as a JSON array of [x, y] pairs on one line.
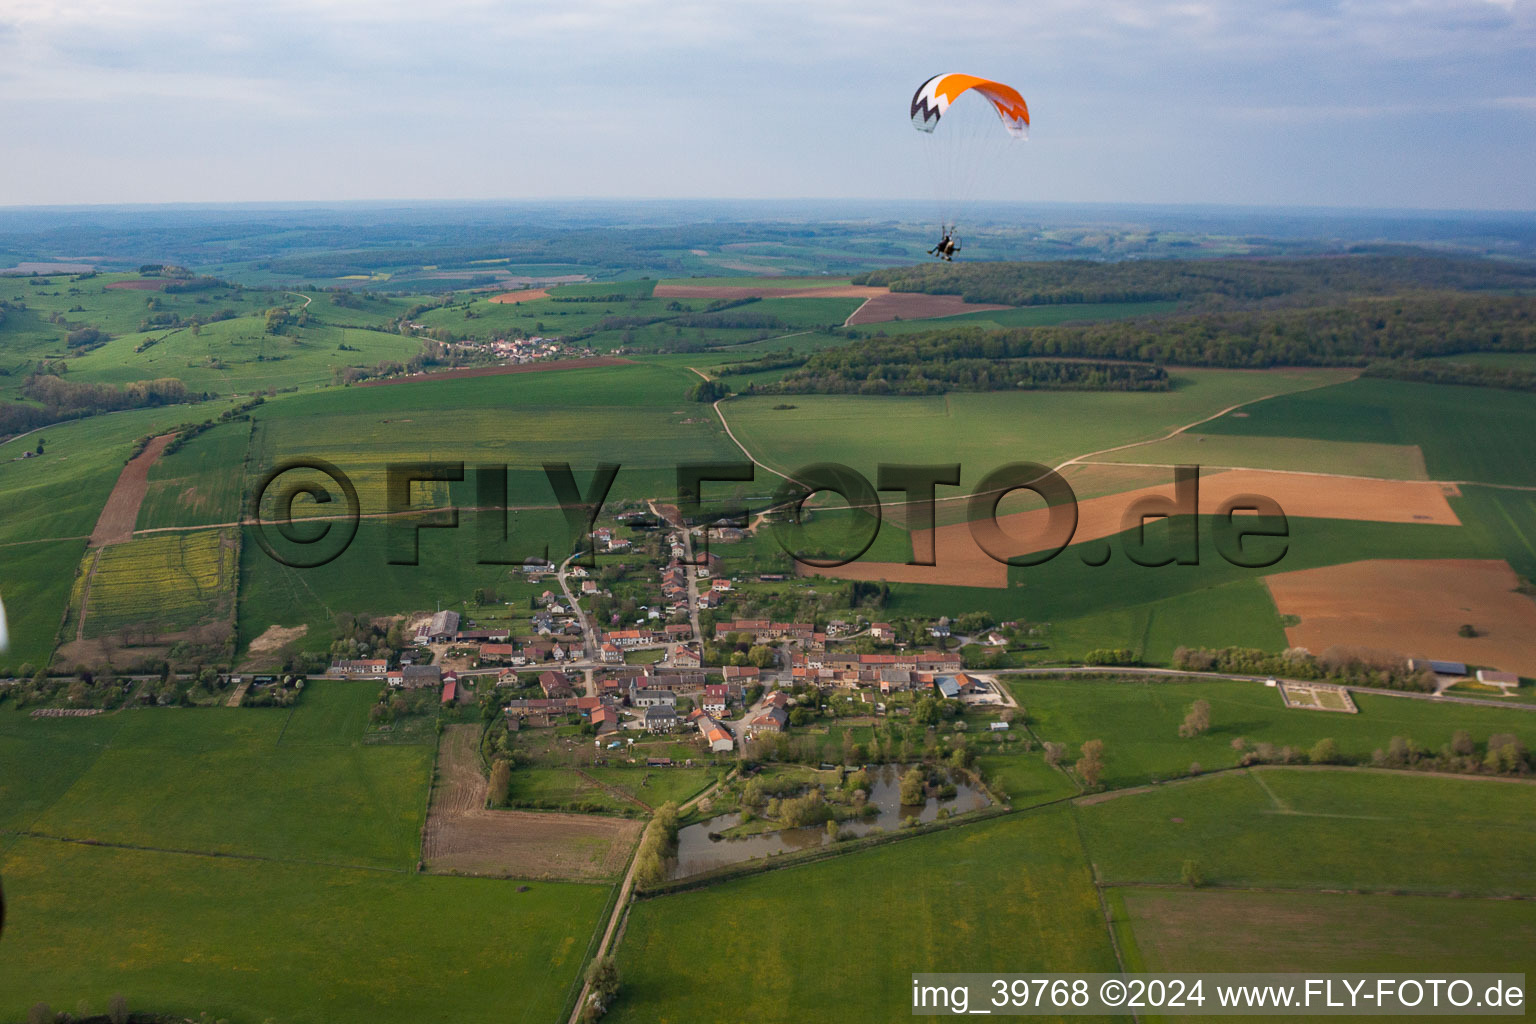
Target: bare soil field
[[145, 284], [1413, 606], [526, 295], [890, 306], [121, 512], [498, 371], [462, 836], [962, 563], [266, 651], [709, 291]]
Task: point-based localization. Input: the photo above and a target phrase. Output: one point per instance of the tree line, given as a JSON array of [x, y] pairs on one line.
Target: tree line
[[1215, 281], [929, 375], [1353, 333]]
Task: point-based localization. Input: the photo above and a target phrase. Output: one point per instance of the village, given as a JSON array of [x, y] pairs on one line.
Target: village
[[666, 673]]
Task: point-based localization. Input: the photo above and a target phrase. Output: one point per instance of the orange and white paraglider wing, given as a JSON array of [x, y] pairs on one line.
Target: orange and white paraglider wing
[[934, 96]]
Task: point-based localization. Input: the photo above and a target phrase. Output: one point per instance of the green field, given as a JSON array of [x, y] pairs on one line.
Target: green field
[[987, 430], [1306, 455], [172, 580], [839, 940], [61, 493], [239, 357], [1173, 931], [657, 786], [1025, 779], [191, 858], [43, 758], [634, 415], [1482, 435], [362, 580], [1139, 723], [562, 788], [283, 940], [1027, 316], [201, 484], [1300, 828], [36, 587], [1239, 613], [230, 781]]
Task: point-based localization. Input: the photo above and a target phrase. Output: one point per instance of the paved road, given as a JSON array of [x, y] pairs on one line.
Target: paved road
[[588, 633]]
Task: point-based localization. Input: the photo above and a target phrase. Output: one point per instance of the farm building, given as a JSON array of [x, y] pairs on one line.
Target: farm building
[[443, 627], [1506, 681], [415, 677], [450, 691], [1439, 668]]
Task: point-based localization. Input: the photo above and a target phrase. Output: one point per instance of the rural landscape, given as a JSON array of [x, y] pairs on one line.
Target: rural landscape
[[653, 622]]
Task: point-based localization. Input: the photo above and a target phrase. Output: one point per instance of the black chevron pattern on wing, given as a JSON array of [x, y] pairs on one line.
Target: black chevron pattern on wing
[[920, 104]]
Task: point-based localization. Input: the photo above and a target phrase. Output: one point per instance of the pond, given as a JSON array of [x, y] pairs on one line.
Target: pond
[[697, 852]]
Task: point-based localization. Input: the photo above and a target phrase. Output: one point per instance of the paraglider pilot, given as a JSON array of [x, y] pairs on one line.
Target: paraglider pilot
[[946, 248]]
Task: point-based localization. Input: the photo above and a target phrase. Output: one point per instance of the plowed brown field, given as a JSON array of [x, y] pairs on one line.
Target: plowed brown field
[[961, 563], [121, 512], [1414, 607], [526, 295], [914, 306], [463, 836]]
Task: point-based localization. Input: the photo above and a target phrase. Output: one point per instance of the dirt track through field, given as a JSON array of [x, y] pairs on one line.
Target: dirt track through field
[[121, 512], [1414, 607], [462, 835], [962, 563]]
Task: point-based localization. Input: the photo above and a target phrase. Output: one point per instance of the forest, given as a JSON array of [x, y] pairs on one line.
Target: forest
[[1213, 282], [916, 369], [1354, 333]]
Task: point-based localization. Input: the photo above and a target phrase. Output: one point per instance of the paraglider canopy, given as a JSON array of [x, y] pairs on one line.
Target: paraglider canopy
[[933, 97], [972, 149]]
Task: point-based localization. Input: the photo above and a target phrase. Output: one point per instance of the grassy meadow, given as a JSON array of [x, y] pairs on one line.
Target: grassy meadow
[[1213, 930], [183, 934], [1309, 828], [231, 781], [1477, 435], [201, 484], [984, 431], [1139, 723], [1007, 895]]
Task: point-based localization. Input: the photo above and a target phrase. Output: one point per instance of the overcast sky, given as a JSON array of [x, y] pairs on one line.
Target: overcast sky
[[1374, 103]]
